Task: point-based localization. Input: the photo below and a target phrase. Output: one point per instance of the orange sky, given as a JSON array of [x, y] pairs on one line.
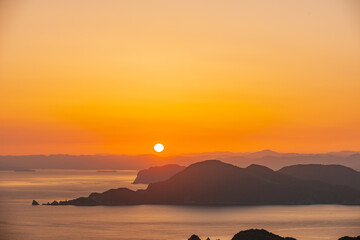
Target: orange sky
[[84, 77]]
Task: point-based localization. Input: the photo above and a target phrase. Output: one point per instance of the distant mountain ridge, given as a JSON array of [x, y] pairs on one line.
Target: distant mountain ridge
[[269, 158], [213, 182]]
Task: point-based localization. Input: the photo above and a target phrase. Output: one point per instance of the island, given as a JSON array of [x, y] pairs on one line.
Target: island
[[333, 174], [350, 238], [157, 174], [251, 234], [262, 234], [213, 182], [258, 234]]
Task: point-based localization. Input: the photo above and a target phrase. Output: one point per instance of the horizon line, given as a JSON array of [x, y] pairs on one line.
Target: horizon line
[[179, 154]]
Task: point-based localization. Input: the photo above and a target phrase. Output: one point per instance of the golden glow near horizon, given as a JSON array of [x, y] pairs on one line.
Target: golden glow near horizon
[[84, 77]]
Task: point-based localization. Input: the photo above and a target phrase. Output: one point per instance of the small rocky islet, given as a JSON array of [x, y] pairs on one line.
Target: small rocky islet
[[261, 234], [251, 234]]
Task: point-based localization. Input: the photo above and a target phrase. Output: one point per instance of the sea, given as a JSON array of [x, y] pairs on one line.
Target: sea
[[19, 220]]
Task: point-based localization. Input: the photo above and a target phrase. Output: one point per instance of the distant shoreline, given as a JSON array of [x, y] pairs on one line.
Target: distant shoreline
[[268, 158]]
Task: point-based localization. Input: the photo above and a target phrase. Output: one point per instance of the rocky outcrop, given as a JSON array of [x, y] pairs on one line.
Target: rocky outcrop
[[34, 203], [262, 234], [258, 234], [56, 203], [253, 234], [194, 237], [350, 238], [157, 174]]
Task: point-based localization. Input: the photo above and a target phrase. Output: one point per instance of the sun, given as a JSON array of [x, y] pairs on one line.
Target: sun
[[159, 147]]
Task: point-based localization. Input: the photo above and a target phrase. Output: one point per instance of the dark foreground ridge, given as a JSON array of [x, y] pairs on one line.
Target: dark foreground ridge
[[213, 182], [258, 234], [252, 234], [261, 234], [350, 238]]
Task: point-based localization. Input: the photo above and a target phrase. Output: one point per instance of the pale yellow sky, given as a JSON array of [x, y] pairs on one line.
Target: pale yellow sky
[[86, 77]]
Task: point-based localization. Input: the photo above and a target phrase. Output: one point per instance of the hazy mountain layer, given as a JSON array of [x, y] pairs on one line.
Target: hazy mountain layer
[[267, 158]]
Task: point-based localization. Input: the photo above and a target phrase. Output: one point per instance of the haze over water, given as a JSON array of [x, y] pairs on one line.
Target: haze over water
[[20, 220]]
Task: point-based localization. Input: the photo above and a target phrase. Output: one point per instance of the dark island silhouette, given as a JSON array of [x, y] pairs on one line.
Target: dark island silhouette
[[258, 234], [194, 237], [333, 174], [213, 182], [157, 174], [262, 234], [350, 238], [251, 234]]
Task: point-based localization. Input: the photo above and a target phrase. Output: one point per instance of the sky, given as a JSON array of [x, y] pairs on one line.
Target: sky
[[87, 77]]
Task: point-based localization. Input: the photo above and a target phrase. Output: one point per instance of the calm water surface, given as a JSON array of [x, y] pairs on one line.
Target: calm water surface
[[21, 221]]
